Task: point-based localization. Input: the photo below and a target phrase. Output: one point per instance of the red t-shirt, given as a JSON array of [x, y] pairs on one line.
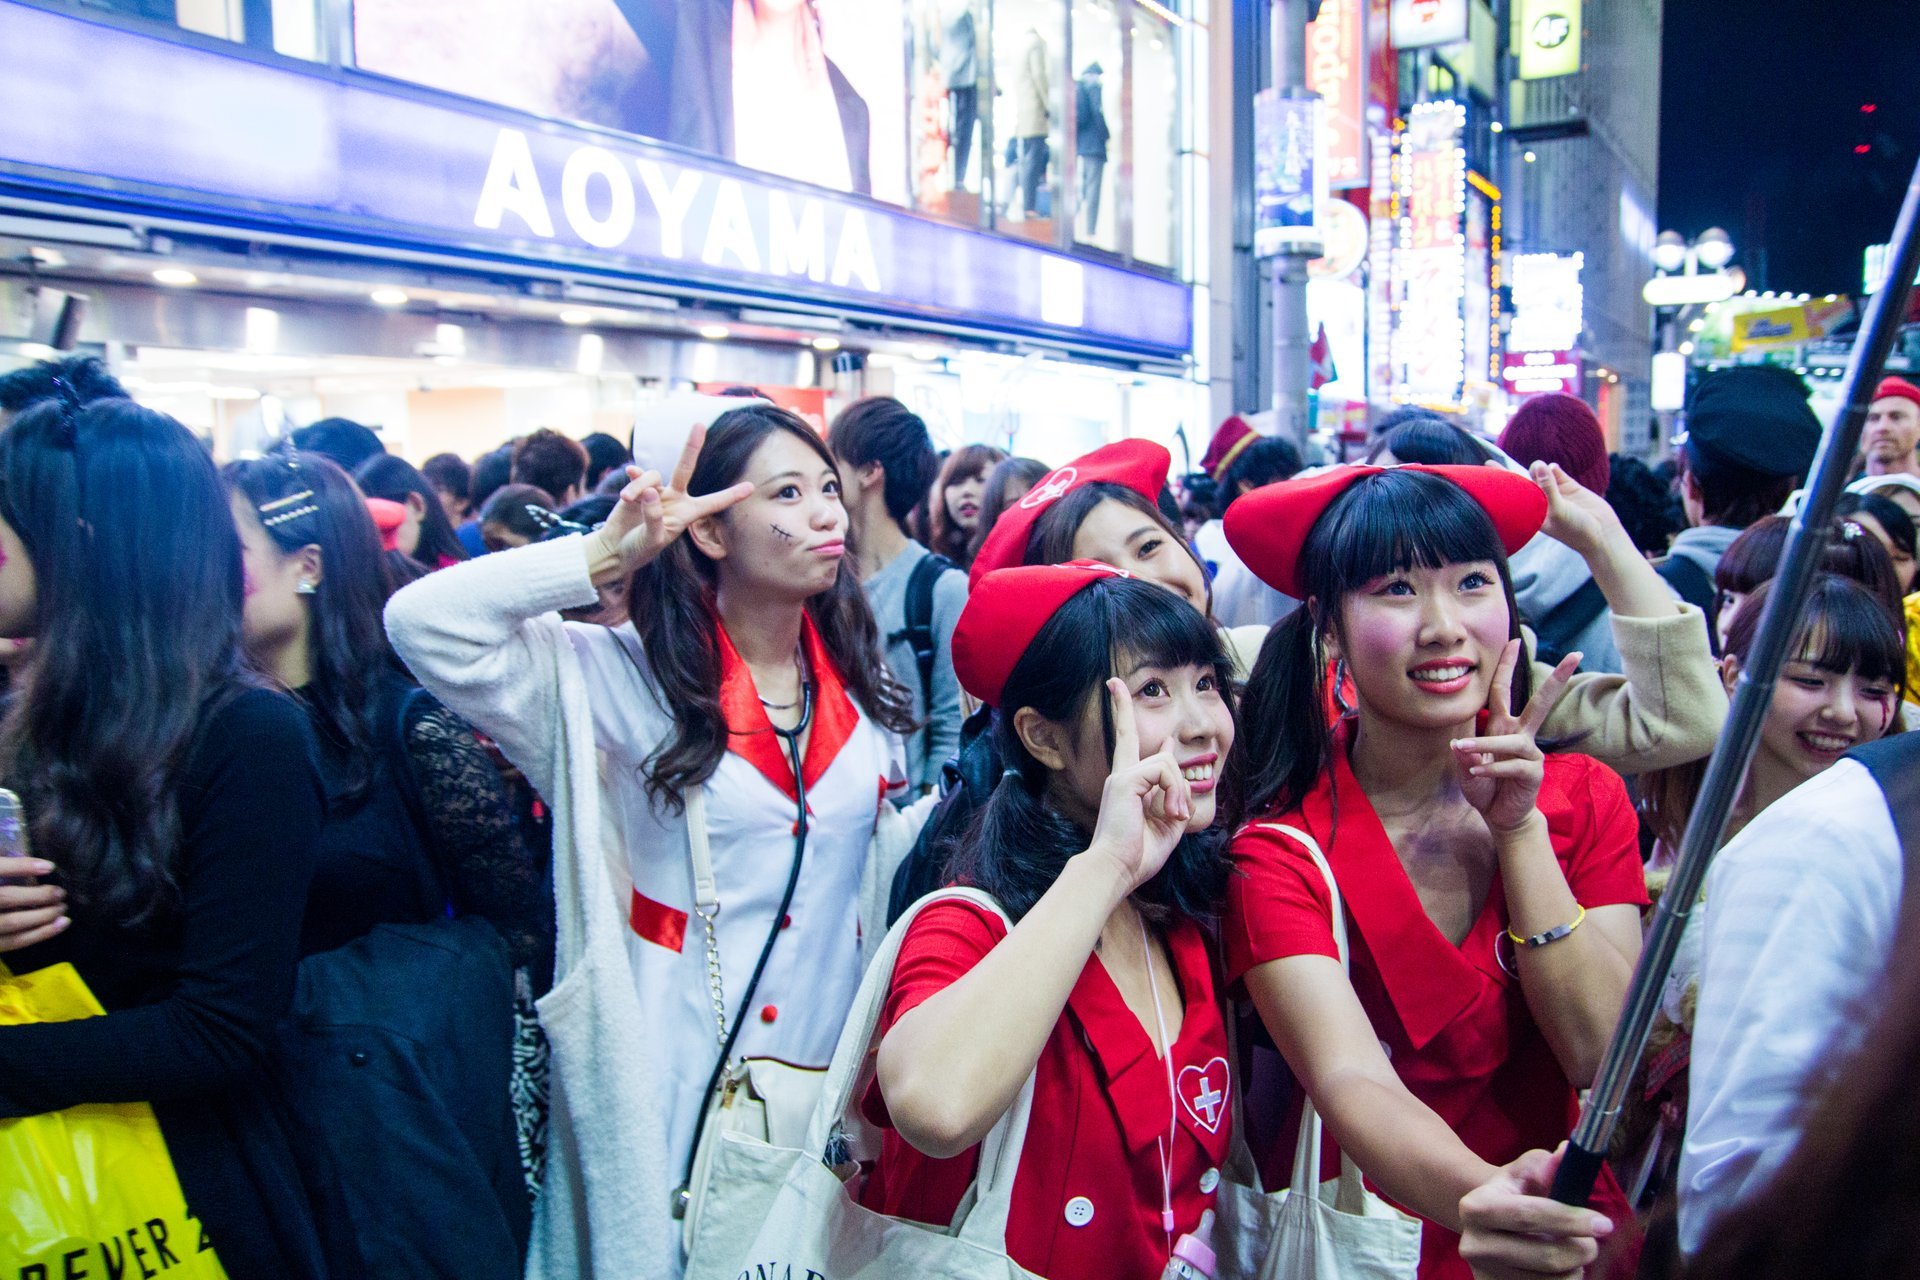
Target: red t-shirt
[[1453, 1021], [1087, 1194]]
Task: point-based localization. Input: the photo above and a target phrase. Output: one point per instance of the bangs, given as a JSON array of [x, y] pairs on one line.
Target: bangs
[[1150, 626], [1848, 631], [1392, 522]]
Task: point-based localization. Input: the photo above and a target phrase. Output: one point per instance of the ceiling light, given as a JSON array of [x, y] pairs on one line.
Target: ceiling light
[[1497, 127], [388, 296], [576, 315], [1529, 157], [826, 344], [715, 332], [175, 276], [925, 353]]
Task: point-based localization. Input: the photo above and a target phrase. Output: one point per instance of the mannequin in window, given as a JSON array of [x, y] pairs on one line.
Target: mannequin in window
[[1090, 146], [960, 68], [1033, 90]]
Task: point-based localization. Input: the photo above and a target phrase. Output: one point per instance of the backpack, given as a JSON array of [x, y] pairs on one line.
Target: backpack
[[1554, 634], [918, 631], [1693, 585], [965, 783]]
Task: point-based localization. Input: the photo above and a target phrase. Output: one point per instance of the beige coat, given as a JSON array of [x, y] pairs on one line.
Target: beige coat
[[1666, 707]]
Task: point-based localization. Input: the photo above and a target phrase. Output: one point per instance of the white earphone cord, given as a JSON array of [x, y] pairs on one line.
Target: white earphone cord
[[1173, 1100]]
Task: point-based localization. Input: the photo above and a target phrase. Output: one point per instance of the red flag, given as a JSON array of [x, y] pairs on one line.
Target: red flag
[[1323, 370]]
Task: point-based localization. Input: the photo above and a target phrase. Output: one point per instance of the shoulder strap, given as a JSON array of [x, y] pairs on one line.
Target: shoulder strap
[[918, 617], [1684, 574], [1894, 762], [1563, 623]]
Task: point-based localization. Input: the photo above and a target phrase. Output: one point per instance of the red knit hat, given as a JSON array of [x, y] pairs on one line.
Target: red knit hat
[[1139, 465], [1005, 611], [1267, 527], [387, 518], [1560, 428], [1900, 387], [1234, 435]]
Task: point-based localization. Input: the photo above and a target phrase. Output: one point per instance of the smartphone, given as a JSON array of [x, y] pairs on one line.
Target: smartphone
[[13, 826]]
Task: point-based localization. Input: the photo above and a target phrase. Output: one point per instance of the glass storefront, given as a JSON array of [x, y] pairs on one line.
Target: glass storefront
[[1054, 121]]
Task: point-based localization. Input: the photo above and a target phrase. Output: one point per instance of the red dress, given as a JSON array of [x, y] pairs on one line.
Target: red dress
[[1454, 1023], [1088, 1191]]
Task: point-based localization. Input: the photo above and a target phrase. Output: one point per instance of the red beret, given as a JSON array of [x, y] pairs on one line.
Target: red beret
[[1139, 465], [1890, 387], [1234, 435], [1267, 527], [1005, 611], [387, 518]]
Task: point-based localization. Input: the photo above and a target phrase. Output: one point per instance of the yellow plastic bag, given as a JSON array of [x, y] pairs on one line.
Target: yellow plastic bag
[[89, 1191]]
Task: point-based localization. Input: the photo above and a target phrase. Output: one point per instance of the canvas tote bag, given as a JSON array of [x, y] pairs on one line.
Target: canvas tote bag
[[1337, 1231], [779, 1211]]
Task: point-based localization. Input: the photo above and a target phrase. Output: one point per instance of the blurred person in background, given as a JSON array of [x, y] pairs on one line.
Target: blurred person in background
[[553, 462], [951, 514], [1239, 460], [491, 472], [175, 811], [343, 440], [452, 479], [886, 462], [1006, 484], [425, 533], [605, 456], [1890, 525], [508, 519], [1889, 441], [85, 379], [1643, 503]]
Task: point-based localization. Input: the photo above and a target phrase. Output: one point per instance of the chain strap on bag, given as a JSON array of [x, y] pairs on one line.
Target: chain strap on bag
[[1333, 1230]]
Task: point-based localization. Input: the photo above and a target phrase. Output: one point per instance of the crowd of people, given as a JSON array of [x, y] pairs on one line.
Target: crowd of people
[[449, 846]]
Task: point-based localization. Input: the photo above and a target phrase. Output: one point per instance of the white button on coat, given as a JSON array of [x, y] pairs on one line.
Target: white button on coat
[[1079, 1211], [1208, 1181]]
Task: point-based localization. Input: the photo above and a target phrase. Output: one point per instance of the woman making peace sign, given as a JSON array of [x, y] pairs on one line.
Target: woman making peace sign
[[1493, 888], [744, 713]]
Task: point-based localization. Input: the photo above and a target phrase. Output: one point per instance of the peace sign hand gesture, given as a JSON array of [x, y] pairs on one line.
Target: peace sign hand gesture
[[1145, 804], [651, 514], [1501, 771]]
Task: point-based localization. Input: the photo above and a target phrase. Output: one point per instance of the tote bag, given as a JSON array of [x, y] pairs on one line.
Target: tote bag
[[780, 1211], [1339, 1230], [90, 1190]]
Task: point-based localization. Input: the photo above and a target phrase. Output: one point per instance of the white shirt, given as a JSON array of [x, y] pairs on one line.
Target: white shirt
[[1803, 906], [1239, 598]]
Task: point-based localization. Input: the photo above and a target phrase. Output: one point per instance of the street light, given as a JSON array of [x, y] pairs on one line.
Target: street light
[[1679, 285]]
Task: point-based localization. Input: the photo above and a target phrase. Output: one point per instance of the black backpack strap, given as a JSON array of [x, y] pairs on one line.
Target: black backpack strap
[[1894, 762], [1555, 633], [1686, 577], [918, 631]]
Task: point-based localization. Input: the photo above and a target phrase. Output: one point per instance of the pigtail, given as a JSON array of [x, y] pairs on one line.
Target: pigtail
[[1285, 743]]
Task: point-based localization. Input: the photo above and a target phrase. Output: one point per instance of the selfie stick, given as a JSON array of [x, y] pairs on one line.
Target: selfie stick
[[1800, 560]]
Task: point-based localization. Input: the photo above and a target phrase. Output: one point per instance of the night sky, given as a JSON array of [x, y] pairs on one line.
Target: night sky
[[1761, 121]]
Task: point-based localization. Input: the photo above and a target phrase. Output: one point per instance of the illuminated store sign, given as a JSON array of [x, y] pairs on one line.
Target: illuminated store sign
[[228, 141], [1529, 373], [1548, 38], [1548, 301], [1430, 263], [1336, 70], [1419, 24]]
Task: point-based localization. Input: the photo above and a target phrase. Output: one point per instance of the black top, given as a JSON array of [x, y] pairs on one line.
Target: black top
[[191, 1007]]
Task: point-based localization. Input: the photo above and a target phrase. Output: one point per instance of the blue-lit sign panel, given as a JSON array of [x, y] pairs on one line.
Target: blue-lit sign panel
[[109, 116]]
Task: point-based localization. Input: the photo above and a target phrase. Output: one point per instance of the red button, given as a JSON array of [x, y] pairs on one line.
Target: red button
[[786, 922], [769, 1013]]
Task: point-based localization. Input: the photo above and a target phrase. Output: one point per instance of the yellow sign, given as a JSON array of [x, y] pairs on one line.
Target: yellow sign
[[1549, 38], [1782, 327]]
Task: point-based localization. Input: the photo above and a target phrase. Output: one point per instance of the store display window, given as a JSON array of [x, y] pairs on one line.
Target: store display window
[[1156, 139], [1099, 102], [289, 27]]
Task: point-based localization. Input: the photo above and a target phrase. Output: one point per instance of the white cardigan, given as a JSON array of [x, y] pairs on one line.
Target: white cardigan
[[484, 638]]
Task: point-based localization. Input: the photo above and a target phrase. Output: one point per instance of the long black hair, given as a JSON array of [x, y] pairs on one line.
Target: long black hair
[[346, 643], [1384, 523], [385, 476], [679, 629], [1019, 842], [137, 567]]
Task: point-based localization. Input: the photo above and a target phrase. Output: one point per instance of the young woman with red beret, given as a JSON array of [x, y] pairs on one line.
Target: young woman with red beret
[[1494, 890], [1115, 722]]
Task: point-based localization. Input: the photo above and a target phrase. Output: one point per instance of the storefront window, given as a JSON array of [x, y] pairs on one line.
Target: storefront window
[[1156, 138], [1099, 55], [288, 27], [949, 139], [1032, 95]]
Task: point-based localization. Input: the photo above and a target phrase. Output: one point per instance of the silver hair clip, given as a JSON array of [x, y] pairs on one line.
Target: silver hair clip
[[279, 516], [1849, 530]]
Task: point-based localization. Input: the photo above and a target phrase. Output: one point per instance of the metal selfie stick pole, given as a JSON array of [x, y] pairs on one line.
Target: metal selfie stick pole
[[1751, 696]]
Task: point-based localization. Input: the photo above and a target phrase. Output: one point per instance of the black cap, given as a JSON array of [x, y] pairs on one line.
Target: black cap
[[1754, 416]]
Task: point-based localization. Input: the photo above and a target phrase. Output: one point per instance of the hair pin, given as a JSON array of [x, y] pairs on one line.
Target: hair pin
[[279, 516]]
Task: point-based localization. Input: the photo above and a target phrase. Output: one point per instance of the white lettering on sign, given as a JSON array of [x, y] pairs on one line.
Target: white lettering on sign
[[513, 186], [583, 166], [672, 202], [747, 228]]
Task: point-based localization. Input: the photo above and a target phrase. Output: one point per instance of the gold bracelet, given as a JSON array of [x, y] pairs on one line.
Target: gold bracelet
[[1551, 935]]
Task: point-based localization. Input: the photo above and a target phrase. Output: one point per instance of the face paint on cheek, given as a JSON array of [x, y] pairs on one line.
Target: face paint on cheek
[[782, 534]]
